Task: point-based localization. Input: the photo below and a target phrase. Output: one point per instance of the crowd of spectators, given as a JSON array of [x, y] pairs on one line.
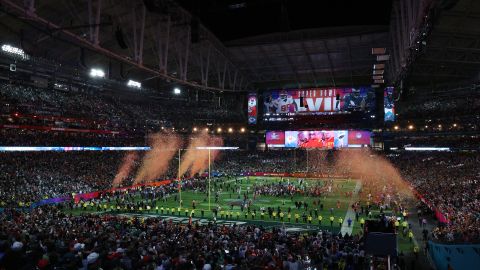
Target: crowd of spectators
[[449, 182], [50, 239], [29, 105]]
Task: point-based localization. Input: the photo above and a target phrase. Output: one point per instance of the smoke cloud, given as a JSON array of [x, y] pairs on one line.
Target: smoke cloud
[[156, 161], [195, 160], [125, 168]]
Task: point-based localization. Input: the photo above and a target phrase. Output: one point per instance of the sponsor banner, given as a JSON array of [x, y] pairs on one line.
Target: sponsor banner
[[285, 174], [252, 108], [388, 104], [93, 195], [60, 129], [319, 101]]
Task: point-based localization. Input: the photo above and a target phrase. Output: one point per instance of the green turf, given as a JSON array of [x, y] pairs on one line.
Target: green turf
[[341, 186]]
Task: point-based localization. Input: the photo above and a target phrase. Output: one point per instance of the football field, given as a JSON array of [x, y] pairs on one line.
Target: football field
[[311, 206]]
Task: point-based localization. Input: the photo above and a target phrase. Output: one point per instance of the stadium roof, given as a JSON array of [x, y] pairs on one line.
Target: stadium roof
[[251, 45]]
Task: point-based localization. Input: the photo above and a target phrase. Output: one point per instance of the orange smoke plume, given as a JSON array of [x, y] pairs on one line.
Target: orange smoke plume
[[156, 161], [125, 168]]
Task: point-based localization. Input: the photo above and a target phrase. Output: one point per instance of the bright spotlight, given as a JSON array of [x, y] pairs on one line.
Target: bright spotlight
[[177, 91], [97, 73], [395, 127], [134, 84], [410, 127], [230, 130], [206, 129], [194, 129], [15, 51], [219, 130], [454, 125], [242, 130]]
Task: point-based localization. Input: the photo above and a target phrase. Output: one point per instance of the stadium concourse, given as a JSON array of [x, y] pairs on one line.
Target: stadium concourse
[[266, 134]]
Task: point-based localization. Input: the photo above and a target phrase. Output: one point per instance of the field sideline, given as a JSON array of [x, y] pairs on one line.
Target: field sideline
[[335, 203]]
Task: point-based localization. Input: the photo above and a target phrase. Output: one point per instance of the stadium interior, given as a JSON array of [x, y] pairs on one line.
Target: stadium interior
[[239, 134]]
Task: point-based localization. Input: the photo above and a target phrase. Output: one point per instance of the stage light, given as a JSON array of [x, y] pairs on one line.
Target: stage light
[[230, 130], [194, 129], [410, 127], [219, 130], [134, 84], [15, 51], [439, 126], [97, 73], [206, 129], [395, 127], [242, 130], [177, 91], [454, 125]]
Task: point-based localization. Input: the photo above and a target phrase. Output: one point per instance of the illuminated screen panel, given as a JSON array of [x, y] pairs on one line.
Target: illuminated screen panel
[[324, 139], [359, 137], [252, 108], [326, 101], [275, 138], [388, 104]]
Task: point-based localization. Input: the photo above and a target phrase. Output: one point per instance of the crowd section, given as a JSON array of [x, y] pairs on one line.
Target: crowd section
[[27, 105], [445, 107], [48, 238], [451, 183]]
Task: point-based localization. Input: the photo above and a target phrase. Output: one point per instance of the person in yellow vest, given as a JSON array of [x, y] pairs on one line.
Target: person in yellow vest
[[148, 208], [362, 222], [253, 215], [281, 216], [332, 218], [238, 215], [222, 213], [274, 215], [405, 214], [131, 208], [179, 209], [397, 224], [310, 219], [410, 235], [192, 213], [289, 216], [340, 221], [320, 220], [156, 209], [140, 208], [297, 216], [186, 212], [262, 214], [404, 227], [246, 214], [118, 208], [173, 211]]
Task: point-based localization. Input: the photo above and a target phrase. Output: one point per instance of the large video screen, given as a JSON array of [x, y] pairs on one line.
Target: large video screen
[[388, 104], [319, 101], [252, 108], [275, 138], [324, 139]]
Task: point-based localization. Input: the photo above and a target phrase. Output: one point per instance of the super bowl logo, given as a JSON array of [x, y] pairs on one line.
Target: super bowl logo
[[252, 120]]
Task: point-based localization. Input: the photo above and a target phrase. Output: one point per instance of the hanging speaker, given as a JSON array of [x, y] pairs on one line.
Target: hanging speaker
[[120, 40]]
